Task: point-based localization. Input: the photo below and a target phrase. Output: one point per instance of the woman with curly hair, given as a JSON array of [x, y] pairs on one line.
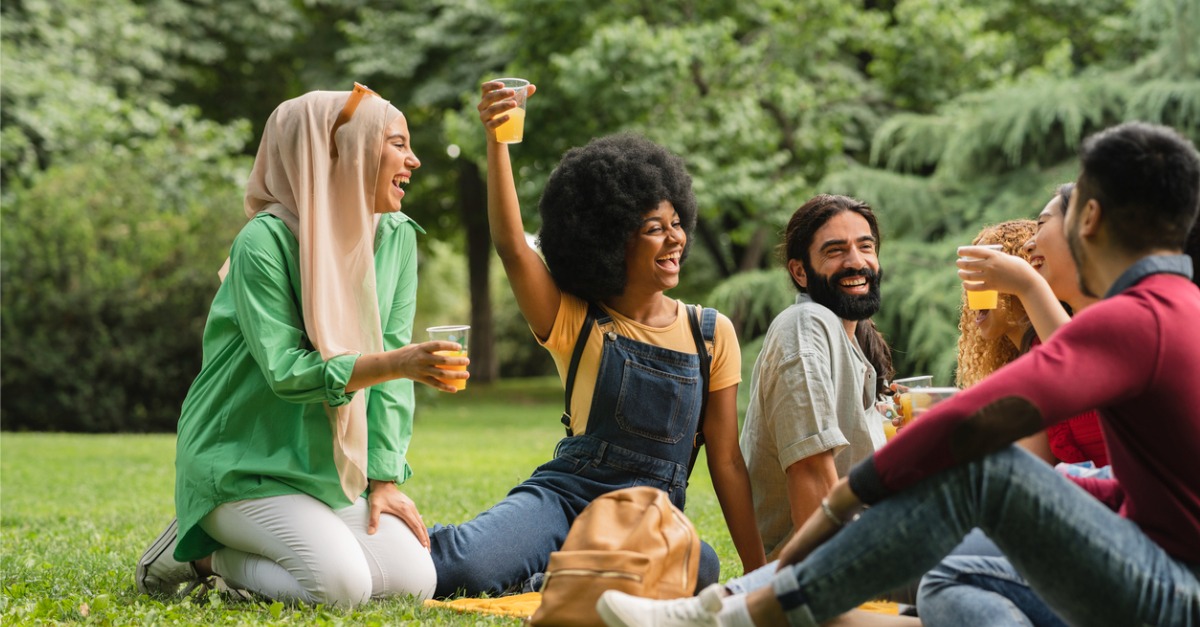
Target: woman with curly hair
[[990, 338], [1043, 285], [617, 215]]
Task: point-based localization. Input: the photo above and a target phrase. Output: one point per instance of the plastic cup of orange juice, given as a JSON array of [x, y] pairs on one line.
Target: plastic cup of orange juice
[[459, 333], [982, 299], [904, 398], [924, 398], [887, 408], [512, 131]]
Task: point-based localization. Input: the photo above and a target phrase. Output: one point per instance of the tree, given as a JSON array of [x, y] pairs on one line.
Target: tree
[[996, 152], [112, 201]]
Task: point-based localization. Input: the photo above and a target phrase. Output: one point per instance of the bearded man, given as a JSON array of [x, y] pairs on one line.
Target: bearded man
[[823, 364]]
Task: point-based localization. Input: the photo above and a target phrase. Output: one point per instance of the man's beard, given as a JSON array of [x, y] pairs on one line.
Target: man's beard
[[1075, 245], [824, 290]]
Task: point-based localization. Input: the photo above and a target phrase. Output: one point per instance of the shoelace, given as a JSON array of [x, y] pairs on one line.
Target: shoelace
[[205, 584]]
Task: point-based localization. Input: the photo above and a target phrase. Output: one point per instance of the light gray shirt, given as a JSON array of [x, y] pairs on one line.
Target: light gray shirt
[[812, 391]]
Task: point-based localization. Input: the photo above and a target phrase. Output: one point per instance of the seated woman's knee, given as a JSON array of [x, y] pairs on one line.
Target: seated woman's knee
[[345, 585]]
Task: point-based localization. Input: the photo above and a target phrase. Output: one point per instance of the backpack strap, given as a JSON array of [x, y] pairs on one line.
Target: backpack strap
[[586, 330], [703, 332]]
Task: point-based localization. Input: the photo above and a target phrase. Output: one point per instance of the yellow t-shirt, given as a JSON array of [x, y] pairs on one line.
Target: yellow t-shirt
[[726, 354]]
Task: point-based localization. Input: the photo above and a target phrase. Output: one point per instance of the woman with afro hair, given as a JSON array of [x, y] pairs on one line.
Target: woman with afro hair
[[646, 377]]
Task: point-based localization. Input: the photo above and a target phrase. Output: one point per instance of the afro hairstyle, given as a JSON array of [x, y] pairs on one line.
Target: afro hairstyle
[[594, 202]]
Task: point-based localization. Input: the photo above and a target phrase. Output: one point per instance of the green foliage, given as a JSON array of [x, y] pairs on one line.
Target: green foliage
[[108, 269], [993, 131], [1174, 103], [76, 84], [932, 51], [59, 564], [753, 299], [997, 152]]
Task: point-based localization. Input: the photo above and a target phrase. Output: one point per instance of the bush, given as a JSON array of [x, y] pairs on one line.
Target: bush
[[109, 266]]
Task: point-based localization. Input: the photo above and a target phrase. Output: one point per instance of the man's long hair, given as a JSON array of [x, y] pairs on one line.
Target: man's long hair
[[798, 238]]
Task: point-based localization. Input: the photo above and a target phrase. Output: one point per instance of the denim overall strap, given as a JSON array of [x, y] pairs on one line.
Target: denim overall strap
[[703, 334], [586, 330], [646, 402]]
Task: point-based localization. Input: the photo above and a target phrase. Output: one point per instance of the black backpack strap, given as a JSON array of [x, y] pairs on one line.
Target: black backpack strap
[[703, 332], [586, 330]]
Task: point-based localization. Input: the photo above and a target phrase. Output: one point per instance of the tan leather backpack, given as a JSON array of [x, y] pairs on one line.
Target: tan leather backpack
[[633, 540]]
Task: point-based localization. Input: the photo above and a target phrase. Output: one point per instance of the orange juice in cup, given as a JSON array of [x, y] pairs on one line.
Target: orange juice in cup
[[452, 333], [460, 384], [922, 399], [904, 398], [982, 299], [887, 409], [512, 131]]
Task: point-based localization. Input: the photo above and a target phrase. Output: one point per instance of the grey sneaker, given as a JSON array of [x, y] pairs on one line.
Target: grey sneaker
[[618, 609], [158, 572]]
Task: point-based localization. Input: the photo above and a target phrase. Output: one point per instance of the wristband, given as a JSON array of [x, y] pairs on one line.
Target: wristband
[[828, 511]]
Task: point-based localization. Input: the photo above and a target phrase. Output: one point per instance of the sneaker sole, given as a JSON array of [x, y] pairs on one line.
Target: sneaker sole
[[156, 550]]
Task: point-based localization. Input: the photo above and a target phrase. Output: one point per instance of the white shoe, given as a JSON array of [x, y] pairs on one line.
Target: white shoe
[[618, 609], [158, 572]]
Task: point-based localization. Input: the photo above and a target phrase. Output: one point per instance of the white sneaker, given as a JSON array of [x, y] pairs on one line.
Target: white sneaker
[[618, 609], [158, 572]]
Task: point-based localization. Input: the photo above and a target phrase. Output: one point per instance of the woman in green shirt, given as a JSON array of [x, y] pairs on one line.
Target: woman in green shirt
[[292, 439]]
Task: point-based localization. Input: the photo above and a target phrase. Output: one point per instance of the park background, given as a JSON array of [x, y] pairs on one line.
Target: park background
[[127, 130]]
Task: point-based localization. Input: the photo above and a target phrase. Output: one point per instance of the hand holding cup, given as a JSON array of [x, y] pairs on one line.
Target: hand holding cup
[[979, 296], [502, 108], [986, 269], [453, 349]]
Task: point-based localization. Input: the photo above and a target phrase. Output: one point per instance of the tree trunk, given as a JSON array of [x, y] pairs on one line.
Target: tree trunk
[[756, 250], [711, 241], [473, 205]]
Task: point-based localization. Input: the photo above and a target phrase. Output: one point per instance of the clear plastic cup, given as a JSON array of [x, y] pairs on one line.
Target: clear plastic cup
[[460, 333], [982, 299], [512, 131]]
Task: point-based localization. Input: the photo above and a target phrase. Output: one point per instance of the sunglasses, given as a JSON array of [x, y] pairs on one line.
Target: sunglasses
[[356, 96]]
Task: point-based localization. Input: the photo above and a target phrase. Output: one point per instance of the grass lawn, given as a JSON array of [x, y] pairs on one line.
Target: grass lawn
[[76, 511]]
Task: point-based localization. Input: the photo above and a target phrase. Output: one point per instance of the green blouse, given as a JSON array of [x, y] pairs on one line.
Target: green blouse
[[253, 424]]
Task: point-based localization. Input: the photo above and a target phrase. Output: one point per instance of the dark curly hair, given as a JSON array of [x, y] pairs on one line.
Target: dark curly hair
[[594, 202]]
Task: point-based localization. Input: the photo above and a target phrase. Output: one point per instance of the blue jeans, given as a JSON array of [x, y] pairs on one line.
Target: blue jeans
[[1088, 565], [505, 547], [981, 590]]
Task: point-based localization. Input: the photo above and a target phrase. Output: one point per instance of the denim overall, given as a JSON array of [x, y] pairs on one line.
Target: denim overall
[[644, 414]]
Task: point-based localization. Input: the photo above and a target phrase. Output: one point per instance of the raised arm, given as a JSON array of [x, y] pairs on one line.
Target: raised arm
[[537, 294]]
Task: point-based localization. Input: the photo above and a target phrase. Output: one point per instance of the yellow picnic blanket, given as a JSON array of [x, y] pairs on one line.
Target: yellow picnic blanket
[[519, 605], [524, 605]]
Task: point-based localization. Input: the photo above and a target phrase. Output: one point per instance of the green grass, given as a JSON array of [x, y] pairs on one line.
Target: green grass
[[76, 511]]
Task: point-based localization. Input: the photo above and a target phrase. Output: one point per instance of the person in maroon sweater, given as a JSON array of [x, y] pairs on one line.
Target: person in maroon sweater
[[1129, 556]]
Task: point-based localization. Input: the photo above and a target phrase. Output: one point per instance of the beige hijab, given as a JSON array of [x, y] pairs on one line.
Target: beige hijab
[[316, 170]]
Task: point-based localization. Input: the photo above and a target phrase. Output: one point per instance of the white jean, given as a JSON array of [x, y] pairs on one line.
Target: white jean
[[295, 548]]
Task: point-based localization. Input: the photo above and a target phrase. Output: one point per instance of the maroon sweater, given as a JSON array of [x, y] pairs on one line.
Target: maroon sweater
[[1136, 356]]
